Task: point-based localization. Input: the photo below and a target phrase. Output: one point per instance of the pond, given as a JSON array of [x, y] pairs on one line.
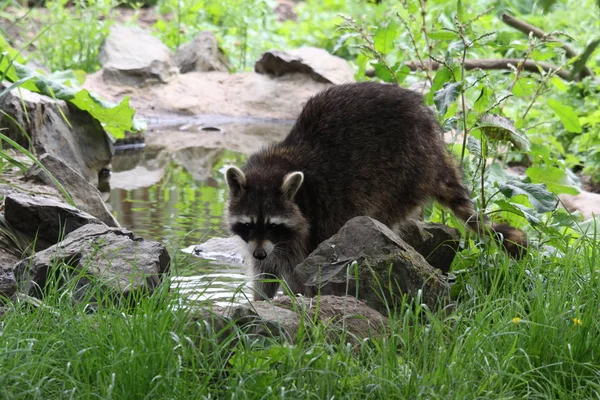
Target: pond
[[178, 199]]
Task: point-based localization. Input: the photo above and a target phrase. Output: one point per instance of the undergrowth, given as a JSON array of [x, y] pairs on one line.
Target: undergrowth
[[526, 329]]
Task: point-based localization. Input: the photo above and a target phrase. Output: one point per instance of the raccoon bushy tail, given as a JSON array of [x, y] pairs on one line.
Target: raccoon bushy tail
[[453, 194]]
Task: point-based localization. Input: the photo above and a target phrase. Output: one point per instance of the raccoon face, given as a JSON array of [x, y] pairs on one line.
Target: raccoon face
[[263, 213]]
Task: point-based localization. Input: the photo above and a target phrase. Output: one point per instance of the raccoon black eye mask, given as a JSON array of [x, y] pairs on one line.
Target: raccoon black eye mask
[[356, 149]]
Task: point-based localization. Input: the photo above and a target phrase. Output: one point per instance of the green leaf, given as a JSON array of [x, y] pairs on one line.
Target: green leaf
[[518, 209], [556, 179], [567, 116], [540, 198], [384, 38], [442, 76], [499, 128], [446, 96], [117, 119], [524, 87]]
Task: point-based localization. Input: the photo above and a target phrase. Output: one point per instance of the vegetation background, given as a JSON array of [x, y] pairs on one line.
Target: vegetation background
[[525, 328]]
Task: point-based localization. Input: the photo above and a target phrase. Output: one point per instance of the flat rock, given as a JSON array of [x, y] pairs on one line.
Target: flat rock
[[282, 317], [587, 203], [43, 219], [81, 142], [231, 250], [201, 54], [132, 56], [216, 93], [86, 196], [112, 260], [366, 259], [315, 62]]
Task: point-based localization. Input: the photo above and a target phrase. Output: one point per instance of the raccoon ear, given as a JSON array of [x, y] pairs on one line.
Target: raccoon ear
[[291, 184], [235, 179]]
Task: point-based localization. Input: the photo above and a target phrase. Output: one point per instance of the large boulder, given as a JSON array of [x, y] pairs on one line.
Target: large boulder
[[57, 128], [315, 62], [131, 56], [114, 261], [242, 94], [201, 54], [284, 315], [44, 220], [86, 196], [366, 259]]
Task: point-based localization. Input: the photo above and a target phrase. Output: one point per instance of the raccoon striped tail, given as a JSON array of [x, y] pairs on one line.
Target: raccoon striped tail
[[452, 193], [513, 240]]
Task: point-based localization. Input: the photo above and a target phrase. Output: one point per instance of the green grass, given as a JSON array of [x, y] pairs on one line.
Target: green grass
[[519, 330]]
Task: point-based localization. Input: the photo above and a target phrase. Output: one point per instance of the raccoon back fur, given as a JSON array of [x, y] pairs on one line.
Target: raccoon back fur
[[356, 149]]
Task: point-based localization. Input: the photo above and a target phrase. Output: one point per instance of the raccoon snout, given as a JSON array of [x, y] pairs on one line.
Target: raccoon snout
[[260, 254]]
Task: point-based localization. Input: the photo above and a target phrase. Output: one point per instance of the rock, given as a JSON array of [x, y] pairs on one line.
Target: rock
[[113, 260], [43, 219], [282, 317], [587, 203], [201, 54], [365, 258], [131, 56], [8, 259], [82, 143], [86, 196], [216, 93], [229, 250], [285, 10], [317, 63], [438, 243], [8, 285]]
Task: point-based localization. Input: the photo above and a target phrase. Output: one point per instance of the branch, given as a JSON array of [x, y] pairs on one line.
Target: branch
[[501, 63], [538, 33]]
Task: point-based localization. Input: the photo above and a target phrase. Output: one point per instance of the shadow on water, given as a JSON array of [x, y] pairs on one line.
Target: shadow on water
[[177, 197]]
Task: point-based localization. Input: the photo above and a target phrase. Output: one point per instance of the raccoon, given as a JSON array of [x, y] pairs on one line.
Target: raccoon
[[356, 149]]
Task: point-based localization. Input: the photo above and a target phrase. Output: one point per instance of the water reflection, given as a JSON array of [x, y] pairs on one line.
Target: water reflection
[[183, 207]]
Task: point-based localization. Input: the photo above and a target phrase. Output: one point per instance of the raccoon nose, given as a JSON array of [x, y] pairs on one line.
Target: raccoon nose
[[260, 254]]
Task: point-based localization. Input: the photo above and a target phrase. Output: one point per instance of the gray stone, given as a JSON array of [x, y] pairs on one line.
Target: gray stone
[[81, 142], [85, 195], [201, 54], [436, 242], [43, 219], [366, 259], [8, 284], [283, 316], [318, 63], [131, 56], [229, 250], [113, 260]]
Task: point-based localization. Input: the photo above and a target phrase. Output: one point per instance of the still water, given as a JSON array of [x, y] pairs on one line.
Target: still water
[[180, 209]]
